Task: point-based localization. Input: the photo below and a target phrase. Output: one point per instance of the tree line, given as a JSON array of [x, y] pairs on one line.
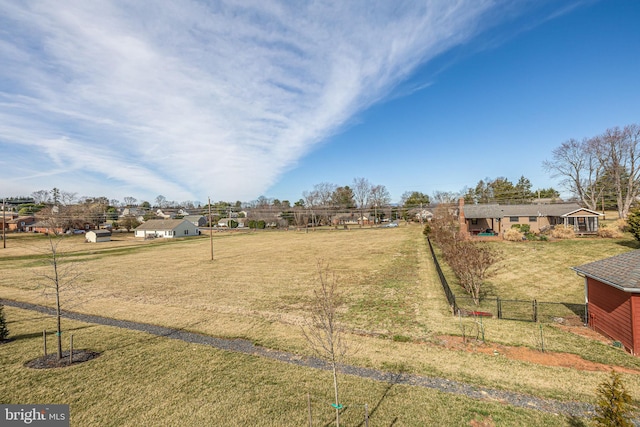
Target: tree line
[[601, 167]]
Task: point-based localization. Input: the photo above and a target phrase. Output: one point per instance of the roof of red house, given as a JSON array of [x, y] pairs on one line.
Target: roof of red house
[[621, 271]]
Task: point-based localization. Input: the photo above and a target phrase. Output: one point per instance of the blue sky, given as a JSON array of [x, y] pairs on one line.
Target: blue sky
[[213, 99]]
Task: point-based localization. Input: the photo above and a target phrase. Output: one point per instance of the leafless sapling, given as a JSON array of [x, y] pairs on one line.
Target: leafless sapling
[[322, 329]]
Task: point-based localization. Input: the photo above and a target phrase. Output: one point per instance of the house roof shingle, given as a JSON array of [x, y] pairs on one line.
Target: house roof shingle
[[500, 211], [161, 224], [621, 271]]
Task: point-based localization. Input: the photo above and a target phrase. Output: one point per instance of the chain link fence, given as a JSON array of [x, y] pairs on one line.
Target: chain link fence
[[511, 309]]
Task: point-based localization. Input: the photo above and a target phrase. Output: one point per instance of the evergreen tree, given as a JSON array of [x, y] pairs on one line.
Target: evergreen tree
[[614, 403], [4, 331], [633, 220]]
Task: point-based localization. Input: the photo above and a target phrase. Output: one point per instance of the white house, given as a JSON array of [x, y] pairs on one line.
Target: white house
[[166, 228], [96, 236]]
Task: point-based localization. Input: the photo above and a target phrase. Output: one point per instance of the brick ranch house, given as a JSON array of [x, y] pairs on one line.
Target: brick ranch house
[[612, 294], [476, 219]]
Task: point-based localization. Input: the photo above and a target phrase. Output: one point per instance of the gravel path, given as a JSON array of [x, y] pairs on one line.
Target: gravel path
[[573, 409]]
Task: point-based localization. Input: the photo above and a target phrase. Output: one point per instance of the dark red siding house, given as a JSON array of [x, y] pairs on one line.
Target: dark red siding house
[[612, 292]]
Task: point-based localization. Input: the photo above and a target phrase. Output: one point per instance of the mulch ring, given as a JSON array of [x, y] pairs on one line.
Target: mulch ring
[[52, 361]]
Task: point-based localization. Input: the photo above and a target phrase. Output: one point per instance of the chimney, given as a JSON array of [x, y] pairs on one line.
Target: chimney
[[461, 219]]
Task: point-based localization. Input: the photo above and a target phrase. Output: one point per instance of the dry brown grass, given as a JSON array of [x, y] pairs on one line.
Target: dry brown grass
[[259, 286], [142, 380], [562, 232]]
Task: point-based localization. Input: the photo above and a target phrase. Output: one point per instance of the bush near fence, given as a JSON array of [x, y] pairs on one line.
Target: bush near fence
[[509, 309]]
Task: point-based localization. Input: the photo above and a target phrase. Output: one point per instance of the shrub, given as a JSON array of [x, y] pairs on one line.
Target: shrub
[[621, 225], [4, 331], [633, 221], [427, 229], [513, 235], [609, 232], [562, 232], [614, 406]]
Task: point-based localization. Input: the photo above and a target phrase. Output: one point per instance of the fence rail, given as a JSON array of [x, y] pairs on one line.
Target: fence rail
[[511, 309], [451, 298]]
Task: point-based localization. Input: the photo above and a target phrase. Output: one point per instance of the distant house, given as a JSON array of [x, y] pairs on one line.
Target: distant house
[[166, 228], [21, 223], [197, 220], [612, 294], [166, 214], [5, 218], [44, 227], [96, 236], [475, 219]]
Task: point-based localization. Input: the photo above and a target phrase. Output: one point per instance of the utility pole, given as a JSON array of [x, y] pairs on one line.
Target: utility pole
[[210, 230], [4, 233]]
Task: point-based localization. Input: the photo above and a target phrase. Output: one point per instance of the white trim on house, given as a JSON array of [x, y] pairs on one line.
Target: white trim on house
[[166, 228]]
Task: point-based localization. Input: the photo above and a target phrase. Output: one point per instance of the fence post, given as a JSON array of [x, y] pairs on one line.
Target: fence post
[[366, 415], [535, 310], [44, 340], [71, 349], [499, 307]]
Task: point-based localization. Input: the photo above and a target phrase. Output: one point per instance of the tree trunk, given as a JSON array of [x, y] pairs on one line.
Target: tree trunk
[[335, 389]]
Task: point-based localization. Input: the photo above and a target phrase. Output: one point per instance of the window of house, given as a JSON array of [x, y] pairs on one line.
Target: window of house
[[533, 219], [474, 221], [186, 231], [514, 218]]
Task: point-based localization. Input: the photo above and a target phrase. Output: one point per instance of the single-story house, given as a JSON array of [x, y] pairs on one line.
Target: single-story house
[[197, 220], [167, 228], [5, 217], [475, 219], [21, 223], [96, 236], [44, 227], [612, 294]]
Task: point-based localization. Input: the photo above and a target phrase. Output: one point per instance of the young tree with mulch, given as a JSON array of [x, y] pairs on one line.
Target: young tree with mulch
[[61, 277]]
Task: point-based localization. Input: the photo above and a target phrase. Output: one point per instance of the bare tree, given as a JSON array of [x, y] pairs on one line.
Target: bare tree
[[311, 202], [471, 262], [361, 194], [322, 330], [130, 201], [445, 197], [68, 198], [40, 196], [619, 153], [380, 198], [579, 166], [161, 201], [59, 278], [324, 194]]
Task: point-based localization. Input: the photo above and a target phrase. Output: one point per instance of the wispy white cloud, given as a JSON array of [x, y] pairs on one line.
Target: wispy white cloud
[[189, 99]]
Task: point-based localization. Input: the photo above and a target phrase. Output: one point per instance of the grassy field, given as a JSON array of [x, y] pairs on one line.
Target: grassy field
[[259, 287], [148, 381]]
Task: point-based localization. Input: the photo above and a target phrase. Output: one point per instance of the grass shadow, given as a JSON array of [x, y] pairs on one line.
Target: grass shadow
[[633, 244], [395, 379], [49, 332], [573, 421]]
